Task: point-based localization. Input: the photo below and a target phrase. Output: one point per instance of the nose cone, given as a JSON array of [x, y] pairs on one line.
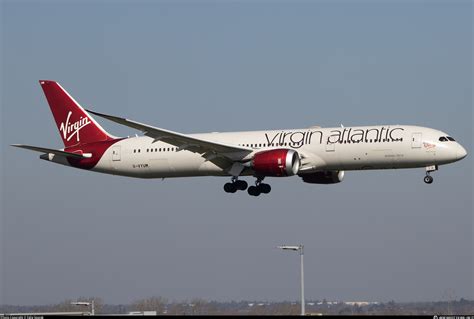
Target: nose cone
[[461, 152]]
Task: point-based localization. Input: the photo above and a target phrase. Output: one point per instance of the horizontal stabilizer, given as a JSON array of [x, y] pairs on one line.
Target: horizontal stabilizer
[[52, 151]]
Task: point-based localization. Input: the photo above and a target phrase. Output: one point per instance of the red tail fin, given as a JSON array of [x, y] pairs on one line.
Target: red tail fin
[[75, 125]]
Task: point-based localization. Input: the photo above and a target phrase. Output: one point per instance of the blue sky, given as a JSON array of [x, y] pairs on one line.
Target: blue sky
[[228, 66]]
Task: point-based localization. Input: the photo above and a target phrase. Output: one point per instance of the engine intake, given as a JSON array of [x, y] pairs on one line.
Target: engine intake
[[279, 162], [325, 177]]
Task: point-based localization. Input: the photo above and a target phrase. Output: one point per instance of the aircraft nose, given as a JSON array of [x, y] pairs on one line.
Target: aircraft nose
[[461, 152]]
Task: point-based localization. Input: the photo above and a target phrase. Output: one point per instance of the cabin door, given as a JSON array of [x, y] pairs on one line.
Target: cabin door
[[416, 140], [116, 153]]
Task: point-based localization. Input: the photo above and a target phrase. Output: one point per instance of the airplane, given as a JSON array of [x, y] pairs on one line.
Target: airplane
[[317, 155]]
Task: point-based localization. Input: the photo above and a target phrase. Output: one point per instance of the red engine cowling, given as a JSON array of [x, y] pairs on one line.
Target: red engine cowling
[[280, 162], [326, 177]]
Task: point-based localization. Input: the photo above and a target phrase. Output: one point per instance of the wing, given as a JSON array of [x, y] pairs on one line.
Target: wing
[[207, 149], [52, 151]]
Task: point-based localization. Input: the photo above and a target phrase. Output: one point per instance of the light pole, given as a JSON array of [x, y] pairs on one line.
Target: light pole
[[299, 248], [85, 303]]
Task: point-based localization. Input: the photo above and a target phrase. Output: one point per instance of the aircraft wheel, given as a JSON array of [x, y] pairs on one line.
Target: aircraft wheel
[[428, 179], [265, 188], [241, 185], [253, 191], [230, 188]]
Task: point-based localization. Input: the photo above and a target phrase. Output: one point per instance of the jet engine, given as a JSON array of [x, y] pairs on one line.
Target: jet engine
[[279, 162], [324, 177]]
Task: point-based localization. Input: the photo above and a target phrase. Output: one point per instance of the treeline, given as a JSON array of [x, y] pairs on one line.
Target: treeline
[[162, 306]]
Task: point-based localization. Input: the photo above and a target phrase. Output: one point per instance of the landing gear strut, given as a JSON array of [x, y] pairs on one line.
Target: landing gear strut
[[428, 179], [259, 188], [235, 185]]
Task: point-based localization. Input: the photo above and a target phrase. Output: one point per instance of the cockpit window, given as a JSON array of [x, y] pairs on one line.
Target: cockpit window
[[443, 139], [450, 138]]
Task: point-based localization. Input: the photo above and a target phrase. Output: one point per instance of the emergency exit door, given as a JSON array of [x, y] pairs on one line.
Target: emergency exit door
[[330, 147]]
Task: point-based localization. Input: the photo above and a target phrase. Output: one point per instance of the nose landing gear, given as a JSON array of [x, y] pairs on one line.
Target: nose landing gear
[[428, 179]]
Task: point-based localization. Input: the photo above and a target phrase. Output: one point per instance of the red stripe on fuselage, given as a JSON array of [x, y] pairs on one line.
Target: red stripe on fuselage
[[97, 149]]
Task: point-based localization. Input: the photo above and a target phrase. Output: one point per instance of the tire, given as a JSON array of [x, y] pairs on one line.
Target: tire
[[428, 179], [230, 188], [265, 188], [241, 185], [253, 191]]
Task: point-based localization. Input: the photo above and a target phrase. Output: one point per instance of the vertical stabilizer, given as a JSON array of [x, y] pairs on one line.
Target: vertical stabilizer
[[75, 125]]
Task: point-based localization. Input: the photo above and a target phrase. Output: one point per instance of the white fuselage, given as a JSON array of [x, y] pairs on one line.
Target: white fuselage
[[320, 149]]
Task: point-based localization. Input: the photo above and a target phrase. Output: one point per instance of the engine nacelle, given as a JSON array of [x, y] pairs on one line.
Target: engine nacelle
[[325, 177], [279, 162]]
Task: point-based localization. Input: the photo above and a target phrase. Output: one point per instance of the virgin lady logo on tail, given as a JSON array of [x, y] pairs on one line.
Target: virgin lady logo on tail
[[69, 130]]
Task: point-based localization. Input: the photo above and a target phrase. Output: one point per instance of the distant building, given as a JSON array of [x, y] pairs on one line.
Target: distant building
[[142, 313], [360, 303]]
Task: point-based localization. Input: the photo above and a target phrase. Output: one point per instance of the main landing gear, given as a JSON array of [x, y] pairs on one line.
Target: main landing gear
[[428, 179], [259, 188], [235, 185]]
